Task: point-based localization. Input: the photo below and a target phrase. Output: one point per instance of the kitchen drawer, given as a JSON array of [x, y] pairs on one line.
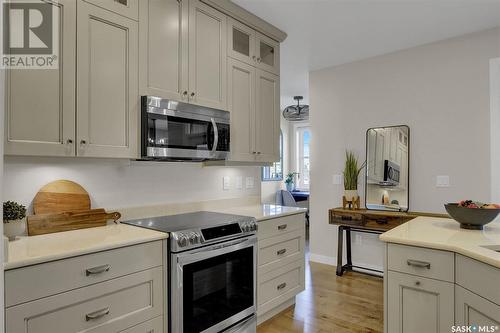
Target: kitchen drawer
[[105, 307], [280, 225], [34, 282], [127, 8], [281, 250], [151, 326], [279, 285], [420, 261], [478, 277]]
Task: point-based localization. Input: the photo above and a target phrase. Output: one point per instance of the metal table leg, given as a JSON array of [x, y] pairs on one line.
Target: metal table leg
[[348, 247], [340, 248]]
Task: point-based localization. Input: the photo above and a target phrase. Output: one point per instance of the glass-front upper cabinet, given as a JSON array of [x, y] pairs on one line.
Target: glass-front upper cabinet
[[268, 54], [241, 44], [247, 45]]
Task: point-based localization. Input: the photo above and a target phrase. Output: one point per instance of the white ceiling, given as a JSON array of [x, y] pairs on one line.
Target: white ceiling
[[324, 33]]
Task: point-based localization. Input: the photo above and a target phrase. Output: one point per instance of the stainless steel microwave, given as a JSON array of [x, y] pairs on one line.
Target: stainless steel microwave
[[173, 130]]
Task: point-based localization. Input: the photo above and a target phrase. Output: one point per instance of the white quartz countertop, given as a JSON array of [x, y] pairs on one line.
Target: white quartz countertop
[[446, 234], [262, 212], [26, 251]]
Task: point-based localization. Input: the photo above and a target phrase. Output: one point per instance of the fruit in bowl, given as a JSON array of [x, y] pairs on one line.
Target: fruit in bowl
[[472, 214]]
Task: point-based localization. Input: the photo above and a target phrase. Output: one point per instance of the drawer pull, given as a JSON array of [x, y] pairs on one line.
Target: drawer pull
[[418, 263], [122, 2], [281, 286], [97, 270], [97, 314], [280, 252], [282, 227]]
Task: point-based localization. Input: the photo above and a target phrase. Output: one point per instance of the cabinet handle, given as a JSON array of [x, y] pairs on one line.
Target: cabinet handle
[[97, 314], [258, 153], [97, 270], [254, 58], [280, 252], [254, 152], [258, 60], [281, 286], [122, 2], [417, 283], [192, 94], [69, 141], [185, 92], [282, 227], [83, 142], [418, 263]]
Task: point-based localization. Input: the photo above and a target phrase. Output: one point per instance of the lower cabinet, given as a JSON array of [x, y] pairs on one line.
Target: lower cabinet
[[471, 309], [281, 264], [132, 302], [417, 304]]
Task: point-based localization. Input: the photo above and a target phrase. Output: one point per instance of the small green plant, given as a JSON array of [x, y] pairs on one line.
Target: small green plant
[[13, 211], [290, 177], [351, 171]]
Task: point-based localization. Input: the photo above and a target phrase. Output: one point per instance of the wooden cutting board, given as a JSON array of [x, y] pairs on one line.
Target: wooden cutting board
[[61, 196], [49, 223]]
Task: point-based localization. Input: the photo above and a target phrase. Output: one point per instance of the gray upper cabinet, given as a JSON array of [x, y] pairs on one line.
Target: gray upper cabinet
[[267, 116], [108, 97], [40, 110], [268, 54], [241, 42], [207, 56], [163, 48]]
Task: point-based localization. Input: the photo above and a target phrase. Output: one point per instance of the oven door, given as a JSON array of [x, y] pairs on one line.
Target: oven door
[[183, 135], [214, 287]]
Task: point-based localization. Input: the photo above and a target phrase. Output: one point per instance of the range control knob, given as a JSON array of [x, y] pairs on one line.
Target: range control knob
[[194, 238], [253, 226], [245, 227], [182, 240]]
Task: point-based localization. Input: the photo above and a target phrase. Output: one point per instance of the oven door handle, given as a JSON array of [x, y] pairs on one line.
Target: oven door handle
[[214, 250], [216, 135]]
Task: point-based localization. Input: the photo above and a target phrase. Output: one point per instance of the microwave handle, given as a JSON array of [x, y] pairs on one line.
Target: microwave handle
[[216, 135]]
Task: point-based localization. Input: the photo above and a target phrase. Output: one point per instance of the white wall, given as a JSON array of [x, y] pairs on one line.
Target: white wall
[[441, 91], [123, 183]]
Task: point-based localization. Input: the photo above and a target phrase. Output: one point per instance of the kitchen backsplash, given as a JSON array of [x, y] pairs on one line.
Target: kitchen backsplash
[[124, 183]]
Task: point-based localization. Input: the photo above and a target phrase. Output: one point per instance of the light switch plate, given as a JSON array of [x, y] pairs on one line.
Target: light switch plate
[[249, 182], [442, 181], [337, 179], [239, 183], [226, 183]]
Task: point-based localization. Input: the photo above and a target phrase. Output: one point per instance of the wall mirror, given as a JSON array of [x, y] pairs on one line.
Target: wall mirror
[[387, 168]]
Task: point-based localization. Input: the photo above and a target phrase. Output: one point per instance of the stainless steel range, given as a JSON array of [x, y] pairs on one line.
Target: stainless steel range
[[212, 265]]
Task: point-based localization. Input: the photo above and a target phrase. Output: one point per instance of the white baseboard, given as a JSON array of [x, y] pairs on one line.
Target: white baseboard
[[332, 261]]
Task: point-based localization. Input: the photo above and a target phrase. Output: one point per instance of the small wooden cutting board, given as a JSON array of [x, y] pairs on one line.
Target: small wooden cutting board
[[61, 196]]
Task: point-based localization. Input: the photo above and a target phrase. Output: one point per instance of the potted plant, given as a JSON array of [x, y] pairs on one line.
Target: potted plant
[[351, 174], [290, 180], [13, 219]]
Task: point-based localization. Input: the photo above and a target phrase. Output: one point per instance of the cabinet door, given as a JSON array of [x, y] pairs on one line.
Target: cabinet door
[[241, 42], [268, 54], [108, 98], [267, 117], [241, 105], [471, 309], [40, 104], [207, 56], [417, 304], [163, 48]]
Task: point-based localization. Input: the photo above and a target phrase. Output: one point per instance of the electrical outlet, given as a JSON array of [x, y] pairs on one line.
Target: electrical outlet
[[249, 182], [337, 179], [239, 183], [226, 183], [442, 181]]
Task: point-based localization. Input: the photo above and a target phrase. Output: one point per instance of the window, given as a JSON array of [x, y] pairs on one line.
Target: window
[[303, 136], [275, 171]]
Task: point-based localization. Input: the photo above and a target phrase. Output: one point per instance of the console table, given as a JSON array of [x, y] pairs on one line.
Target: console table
[[365, 221]]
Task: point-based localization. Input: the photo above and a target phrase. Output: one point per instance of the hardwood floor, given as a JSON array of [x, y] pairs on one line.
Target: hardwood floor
[[330, 304]]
